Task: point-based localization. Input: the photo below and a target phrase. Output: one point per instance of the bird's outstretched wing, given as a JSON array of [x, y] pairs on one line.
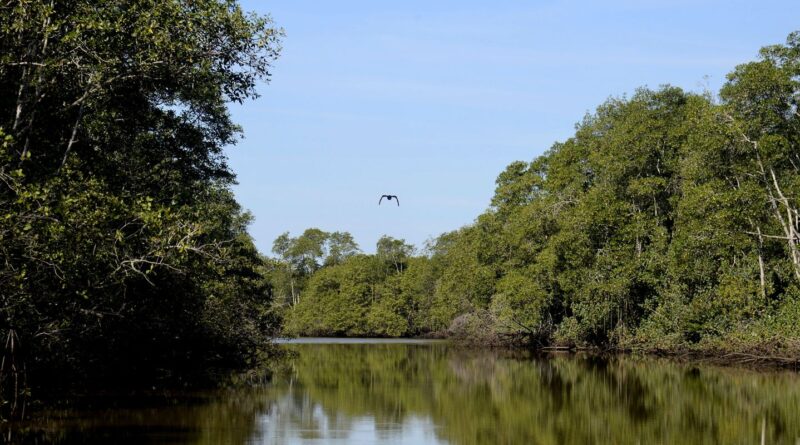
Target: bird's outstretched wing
[[398, 200], [379, 201]]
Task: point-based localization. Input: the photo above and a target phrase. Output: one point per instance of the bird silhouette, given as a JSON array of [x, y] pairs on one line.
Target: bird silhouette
[[389, 198]]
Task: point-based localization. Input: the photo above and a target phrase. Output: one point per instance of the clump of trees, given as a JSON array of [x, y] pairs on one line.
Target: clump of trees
[[326, 286], [670, 220], [123, 254]]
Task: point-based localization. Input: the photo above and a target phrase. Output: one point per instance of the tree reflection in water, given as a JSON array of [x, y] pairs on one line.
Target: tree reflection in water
[[476, 397], [416, 394]]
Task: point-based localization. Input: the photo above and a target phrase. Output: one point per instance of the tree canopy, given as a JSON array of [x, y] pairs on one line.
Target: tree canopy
[[123, 250], [669, 220]]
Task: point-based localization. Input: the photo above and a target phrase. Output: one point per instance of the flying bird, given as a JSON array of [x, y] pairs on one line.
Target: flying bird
[[389, 198]]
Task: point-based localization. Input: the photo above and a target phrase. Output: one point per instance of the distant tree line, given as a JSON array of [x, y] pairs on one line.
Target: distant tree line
[[123, 254], [670, 220]]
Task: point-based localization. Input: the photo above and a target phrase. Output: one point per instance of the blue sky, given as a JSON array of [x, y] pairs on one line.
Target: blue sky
[[430, 100]]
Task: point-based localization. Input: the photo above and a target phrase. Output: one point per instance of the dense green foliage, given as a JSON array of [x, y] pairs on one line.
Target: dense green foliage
[[669, 220], [122, 251]]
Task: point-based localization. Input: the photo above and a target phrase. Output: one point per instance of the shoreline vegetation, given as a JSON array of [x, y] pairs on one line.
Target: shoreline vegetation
[[668, 224], [751, 358], [670, 221], [124, 257]]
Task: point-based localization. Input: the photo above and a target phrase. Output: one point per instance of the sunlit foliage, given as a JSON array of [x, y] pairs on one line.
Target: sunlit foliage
[[670, 220]]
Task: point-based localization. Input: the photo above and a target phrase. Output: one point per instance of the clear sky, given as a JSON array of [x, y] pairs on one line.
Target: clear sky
[[430, 100]]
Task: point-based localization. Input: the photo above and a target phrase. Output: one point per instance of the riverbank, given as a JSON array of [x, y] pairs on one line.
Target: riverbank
[[756, 357], [764, 356]]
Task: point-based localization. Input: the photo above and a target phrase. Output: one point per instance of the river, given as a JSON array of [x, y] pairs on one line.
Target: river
[[418, 392]]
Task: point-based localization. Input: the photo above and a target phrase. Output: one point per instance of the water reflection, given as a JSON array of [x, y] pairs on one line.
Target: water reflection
[[429, 394]]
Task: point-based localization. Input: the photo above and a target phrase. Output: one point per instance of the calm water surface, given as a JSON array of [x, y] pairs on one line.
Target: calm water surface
[[376, 392]]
